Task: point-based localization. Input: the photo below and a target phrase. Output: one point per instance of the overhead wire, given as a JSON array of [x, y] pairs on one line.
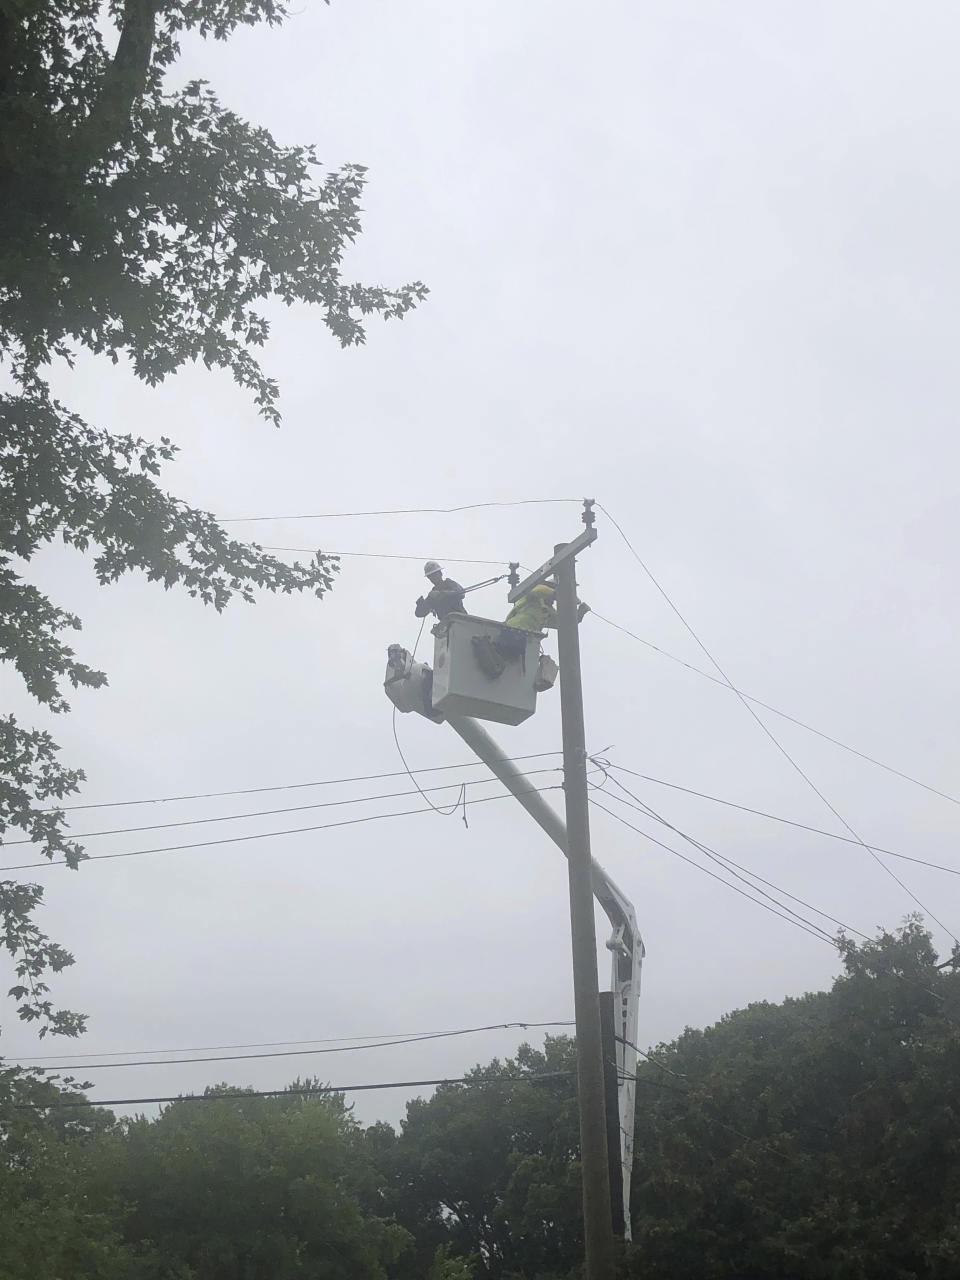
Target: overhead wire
[[769, 733], [289, 786], [264, 835], [790, 822], [399, 511], [296, 1053], [802, 724], [734, 867], [402, 1036], [814, 931], [266, 813], [807, 926], [380, 555], [473, 764], [649, 1057], [470, 1081], [462, 797]]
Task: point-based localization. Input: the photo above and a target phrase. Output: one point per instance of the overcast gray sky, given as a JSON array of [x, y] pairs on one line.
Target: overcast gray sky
[[697, 261]]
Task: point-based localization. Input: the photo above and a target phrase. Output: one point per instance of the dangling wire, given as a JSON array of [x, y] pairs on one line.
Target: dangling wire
[[461, 798]]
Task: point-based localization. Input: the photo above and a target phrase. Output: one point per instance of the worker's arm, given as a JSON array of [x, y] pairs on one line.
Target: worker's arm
[[423, 607], [551, 620]]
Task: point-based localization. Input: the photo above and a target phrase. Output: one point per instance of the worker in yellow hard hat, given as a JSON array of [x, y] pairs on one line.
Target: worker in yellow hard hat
[[536, 610]]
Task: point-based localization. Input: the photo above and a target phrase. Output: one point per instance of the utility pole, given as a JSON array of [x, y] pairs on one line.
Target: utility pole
[[410, 686], [597, 1222]]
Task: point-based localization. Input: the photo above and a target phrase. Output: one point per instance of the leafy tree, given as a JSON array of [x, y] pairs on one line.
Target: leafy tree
[[49, 1229], [492, 1173], [248, 1188], [816, 1139], [148, 225]]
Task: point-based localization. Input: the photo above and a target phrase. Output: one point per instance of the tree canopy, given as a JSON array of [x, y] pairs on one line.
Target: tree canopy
[[818, 1138], [815, 1139], [149, 225]]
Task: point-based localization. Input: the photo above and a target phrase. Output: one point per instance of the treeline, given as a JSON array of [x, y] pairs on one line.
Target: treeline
[[818, 1139]]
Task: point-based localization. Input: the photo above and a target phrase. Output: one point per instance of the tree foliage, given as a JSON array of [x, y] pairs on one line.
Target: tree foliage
[[490, 1170], [150, 225], [234, 1186], [817, 1139], [256, 1187]]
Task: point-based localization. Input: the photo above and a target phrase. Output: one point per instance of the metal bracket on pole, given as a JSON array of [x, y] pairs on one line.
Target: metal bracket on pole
[[548, 569], [562, 553]]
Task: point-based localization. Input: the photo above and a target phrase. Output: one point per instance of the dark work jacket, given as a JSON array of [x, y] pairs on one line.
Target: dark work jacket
[[447, 598]]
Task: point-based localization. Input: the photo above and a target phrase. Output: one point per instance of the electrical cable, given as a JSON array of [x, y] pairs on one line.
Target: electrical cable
[[820, 933], [289, 786], [264, 835], [470, 1081], [57, 1058], [790, 822], [462, 798], [381, 555], [817, 933], [266, 813], [801, 724], [722, 859], [400, 511], [296, 1053], [649, 1057], [769, 733]]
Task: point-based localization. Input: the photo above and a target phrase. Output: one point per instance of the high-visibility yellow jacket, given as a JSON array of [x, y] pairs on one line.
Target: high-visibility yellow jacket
[[534, 611]]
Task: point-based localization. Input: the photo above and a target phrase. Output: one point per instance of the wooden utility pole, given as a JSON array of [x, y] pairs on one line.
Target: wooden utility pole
[[597, 1223]]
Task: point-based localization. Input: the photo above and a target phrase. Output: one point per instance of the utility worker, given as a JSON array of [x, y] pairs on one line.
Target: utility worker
[[536, 610], [445, 596]]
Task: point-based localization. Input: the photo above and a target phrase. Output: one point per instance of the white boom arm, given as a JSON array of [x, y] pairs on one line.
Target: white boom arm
[[406, 685]]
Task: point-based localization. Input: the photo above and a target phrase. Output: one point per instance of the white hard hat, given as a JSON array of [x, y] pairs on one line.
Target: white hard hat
[[431, 567]]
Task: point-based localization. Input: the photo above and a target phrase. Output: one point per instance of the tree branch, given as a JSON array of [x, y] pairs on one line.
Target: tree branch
[[125, 78]]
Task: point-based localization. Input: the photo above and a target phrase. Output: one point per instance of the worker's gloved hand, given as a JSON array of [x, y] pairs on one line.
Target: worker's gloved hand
[[582, 611], [419, 599]]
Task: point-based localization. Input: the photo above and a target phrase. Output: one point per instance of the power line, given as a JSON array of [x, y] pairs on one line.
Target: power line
[[382, 555], [790, 822], [724, 859], [295, 1053], [769, 733], [401, 511], [471, 1081], [820, 933], [801, 724], [264, 835], [814, 931], [721, 858], [266, 813], [401, 1036], [290, 786], [649, 1057]]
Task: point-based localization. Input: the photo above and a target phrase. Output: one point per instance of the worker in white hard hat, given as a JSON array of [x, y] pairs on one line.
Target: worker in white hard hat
[[445, 596]]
